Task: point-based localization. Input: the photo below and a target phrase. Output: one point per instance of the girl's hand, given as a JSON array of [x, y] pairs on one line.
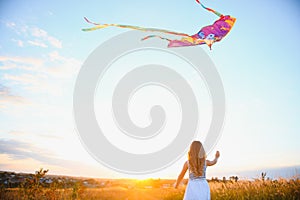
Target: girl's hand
[[217, 154], [175, 185]]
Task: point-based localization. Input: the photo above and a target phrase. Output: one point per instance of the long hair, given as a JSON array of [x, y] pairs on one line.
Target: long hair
[[196, 157]]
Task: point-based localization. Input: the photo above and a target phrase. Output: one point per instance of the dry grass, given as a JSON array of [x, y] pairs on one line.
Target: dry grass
[[278, 189], [281, 189]]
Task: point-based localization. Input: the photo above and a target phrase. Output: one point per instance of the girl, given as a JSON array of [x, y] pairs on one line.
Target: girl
[[197, 188]]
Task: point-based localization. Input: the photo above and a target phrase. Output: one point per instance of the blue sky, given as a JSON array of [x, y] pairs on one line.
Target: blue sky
[[42, 48]]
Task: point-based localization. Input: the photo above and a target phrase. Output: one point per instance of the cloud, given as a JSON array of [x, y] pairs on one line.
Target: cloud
[[7, 98], [14, 148], [52, 137], [10, 24], [21, 30], [25, 79], [52, 64], [17, 133], [22, 150], [40, 33], [34, 83], [39, 75], [15, 152], [34, 120], [54, 42], [37, 43], [20, 43], [26, 135], [16, 62], [62, 66], [14, 27], [37, 36], [32, 74]]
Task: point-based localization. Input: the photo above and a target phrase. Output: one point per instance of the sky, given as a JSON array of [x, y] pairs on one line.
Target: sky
[[42, 49]]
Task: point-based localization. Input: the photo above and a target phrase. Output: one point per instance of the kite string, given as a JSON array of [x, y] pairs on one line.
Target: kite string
[[209, 9]]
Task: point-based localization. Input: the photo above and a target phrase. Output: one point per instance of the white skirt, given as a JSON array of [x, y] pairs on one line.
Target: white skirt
[[197, 189]]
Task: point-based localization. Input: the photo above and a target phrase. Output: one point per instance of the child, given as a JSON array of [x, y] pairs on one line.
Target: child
[[197, 188]]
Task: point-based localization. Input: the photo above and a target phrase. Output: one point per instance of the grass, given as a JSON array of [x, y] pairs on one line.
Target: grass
[[32, 188], [279, 189]]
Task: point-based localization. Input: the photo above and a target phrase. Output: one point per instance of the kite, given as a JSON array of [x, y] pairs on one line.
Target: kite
[[207, 35]]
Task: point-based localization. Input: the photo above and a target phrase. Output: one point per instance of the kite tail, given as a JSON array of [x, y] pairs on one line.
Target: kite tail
[[184, 41], [100, 26], [152, 36], [90, 22], [209, 9]]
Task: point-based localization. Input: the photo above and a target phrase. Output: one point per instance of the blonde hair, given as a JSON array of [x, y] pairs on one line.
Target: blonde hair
[[196, 158]]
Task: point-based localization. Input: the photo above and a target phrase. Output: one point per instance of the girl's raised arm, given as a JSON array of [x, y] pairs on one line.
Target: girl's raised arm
[[213, 162]]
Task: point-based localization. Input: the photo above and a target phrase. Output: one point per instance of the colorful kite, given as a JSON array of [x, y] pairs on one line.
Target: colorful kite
[[207, 35]]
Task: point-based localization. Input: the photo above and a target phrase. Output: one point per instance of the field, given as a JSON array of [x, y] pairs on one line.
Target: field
[[278, 189]]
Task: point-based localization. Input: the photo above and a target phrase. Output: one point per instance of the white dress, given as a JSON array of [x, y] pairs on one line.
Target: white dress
[[197, 188]]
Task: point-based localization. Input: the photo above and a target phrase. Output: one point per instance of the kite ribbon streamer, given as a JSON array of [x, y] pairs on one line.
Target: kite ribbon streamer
[[100, 26], [209, 9]]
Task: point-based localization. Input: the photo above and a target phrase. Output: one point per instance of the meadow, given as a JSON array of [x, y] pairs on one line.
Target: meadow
[[281, 189], [150, 189]]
